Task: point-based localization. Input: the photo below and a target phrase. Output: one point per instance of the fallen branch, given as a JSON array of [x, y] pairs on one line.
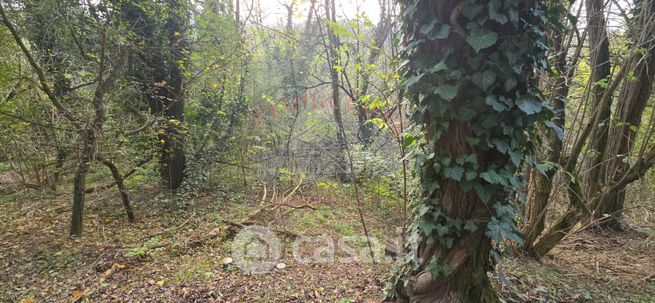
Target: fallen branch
[[286, 233]]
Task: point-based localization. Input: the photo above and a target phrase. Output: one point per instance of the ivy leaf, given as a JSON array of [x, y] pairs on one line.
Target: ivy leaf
[[516, 157], [484, 80], [510, 84], [454, 172], [473, 10], [435, 269], [501, 145], [495, 104], [481, 38], [446, 91], [442, 230], [543, 168], [413, 80], [493, 177], [514, 16], [558, 130], [438, 67], [432, 187], [465, 113], [426, 227], [422, 209], [484, 192], [470, 226], [494, 7], [442, 33], [500, 230], [529, 105], [425, 29], [449, 242], [472, 158]]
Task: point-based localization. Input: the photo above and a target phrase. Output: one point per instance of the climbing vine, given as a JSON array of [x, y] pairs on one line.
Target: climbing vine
[[469, 74]]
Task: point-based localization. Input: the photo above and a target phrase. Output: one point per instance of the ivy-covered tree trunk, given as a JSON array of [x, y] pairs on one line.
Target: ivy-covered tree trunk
[[540, 182], [469, 73]]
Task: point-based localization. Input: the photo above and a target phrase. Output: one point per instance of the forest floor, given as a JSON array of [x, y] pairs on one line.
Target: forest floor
[[176, 255]]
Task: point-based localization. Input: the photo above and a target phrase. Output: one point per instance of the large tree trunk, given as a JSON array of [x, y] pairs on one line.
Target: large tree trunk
[[468, 259], [163, 58], [173, 158], [467, 94], [600, 72], [632, 101]]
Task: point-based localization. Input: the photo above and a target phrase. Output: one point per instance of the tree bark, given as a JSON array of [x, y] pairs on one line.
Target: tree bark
[[540, 185], [162, 76], [468, 260], [446, 263], [632, 101], [118, 179], [173, 156], [79, 180], [600, 72]]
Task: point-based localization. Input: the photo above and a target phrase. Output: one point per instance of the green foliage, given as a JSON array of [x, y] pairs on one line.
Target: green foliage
[[483, 88]]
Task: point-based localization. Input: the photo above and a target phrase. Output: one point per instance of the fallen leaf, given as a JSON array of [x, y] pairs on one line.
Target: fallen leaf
[[77, 295], [28, 299]]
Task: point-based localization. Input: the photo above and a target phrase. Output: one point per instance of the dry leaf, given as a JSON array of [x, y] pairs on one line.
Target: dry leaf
[[28, 299], [77, 295]]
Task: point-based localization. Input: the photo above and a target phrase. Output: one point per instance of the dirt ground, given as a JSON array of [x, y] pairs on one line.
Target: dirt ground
[[177, 255]]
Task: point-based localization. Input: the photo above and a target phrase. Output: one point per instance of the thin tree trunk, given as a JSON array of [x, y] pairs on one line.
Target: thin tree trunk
[[79, 180], [381, 32], [118, 179], [295, 102], [332, 46], [600, 72]]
